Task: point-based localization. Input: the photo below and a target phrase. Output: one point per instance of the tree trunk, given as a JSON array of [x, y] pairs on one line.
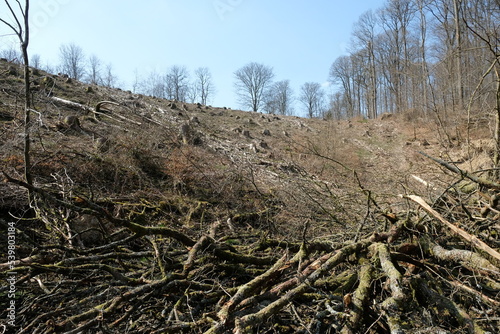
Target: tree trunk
[[425, 76], [496, 158], [27, 107], [458, 58]]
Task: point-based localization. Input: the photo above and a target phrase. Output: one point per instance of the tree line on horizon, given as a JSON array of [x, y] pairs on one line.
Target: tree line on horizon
[[439, 57], [175, 84], [429, 56], [253, 82]]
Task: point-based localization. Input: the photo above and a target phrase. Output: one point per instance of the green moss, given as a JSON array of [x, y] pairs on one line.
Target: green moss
[[467, 187], [233, 242]]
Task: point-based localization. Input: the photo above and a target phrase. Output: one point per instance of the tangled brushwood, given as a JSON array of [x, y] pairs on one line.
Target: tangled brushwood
[[434, 270]]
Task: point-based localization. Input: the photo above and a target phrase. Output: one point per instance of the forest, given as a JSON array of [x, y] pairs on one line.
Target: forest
[[432, 56]]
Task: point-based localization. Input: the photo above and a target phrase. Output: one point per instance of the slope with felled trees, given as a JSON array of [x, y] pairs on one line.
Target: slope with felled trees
[[156, 216]]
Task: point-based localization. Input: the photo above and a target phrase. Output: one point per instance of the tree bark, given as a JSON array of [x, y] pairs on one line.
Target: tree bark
[[21, 30], [496, 157]]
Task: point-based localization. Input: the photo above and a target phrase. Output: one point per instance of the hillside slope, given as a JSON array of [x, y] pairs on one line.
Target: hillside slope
[[160, 216]]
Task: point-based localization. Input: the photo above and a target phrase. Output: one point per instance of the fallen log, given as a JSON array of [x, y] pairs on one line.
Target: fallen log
[[97, 110], [479, 180], [475, 293], [468, 259], [71, 104], [395, 278], [200, 244], [360, 299], [245, 291], [435, 299]]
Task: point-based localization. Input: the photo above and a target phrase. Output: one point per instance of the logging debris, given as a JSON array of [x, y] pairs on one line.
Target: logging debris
[[425, 274]]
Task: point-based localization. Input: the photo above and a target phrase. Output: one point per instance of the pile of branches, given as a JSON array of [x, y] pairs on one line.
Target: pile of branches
[[435, 269]]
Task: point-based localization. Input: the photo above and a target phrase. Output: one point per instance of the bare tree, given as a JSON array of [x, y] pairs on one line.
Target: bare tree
[[424, 69], [12, 54], [364, 33], [422, 55], [72, 60], [177, 83], [20, 27], [94, 72], [270, 104], [341, 72], [168, 87], [192, 93], [136, 85], [252, 80], [457, 12], [109, 79], [153, 85], [337, 108], [36, 61], [481, 18], [313, 98], [279, 98], [204, 84], [396, 17]]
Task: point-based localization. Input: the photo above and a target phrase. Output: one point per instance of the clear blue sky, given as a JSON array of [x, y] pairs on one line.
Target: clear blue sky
[[298, 39]]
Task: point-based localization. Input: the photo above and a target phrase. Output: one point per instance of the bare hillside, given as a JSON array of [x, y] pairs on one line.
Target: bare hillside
[[158, 216]]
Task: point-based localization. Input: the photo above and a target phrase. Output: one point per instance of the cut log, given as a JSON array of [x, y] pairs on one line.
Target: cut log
[[72, 104], [360, 298], [97, 110]]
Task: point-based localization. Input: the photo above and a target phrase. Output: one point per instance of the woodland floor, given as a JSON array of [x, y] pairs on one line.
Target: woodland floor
[[156, 216]]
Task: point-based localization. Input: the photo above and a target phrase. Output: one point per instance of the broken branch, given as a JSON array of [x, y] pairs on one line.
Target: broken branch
[[457, 230]]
